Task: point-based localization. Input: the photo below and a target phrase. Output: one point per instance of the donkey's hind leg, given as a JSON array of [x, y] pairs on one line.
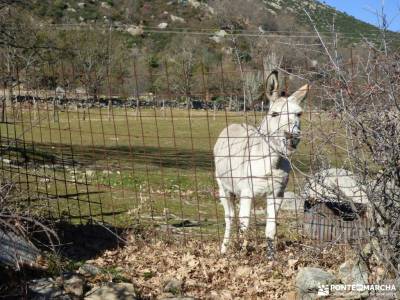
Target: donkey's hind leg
[[229, 211]]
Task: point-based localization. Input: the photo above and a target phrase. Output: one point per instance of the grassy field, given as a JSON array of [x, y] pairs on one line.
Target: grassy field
[[154, 167]]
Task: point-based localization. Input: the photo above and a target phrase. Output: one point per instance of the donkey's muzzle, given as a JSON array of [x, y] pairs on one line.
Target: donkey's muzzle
[[292, 139]]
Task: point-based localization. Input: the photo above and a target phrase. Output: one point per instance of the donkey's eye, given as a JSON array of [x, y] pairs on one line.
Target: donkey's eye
[[274, 114], [299, 114]]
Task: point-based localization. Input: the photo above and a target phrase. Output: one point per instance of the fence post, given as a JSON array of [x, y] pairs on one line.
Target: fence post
[[215, 110], [55, 112], [136, 87], [4, 103], [109, 109], [163, 109]]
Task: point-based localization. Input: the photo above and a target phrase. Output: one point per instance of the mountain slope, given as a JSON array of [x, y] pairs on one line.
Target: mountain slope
[[323, 15], [191, 13]]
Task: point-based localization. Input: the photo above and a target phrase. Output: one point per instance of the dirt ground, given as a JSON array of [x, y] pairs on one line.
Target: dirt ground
[[205, 274]]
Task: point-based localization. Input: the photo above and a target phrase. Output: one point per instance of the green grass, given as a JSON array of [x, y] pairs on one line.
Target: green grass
[[152, 168]]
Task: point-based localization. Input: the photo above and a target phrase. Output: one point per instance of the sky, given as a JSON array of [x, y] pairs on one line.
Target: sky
[[365, 10]]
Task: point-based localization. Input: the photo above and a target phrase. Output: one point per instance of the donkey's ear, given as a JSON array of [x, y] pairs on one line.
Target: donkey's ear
[[300, 94], [272, 86]]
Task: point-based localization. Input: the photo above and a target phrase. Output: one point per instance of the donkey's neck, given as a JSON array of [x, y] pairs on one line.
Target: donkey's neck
[[263, 127], [276, 158]]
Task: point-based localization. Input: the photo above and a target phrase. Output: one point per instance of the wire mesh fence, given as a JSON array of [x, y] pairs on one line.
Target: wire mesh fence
[[130, 143]]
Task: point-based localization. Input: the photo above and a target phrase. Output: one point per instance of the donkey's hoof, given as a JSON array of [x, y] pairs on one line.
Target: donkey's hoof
[[270, 249]]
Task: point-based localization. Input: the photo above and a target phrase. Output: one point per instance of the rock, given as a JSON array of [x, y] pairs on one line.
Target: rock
[[218, 36], [194, 3], [309, 280], [135, 30], [45, 288], [162, 25], [216, 39], [5, 160], [74, 285], [271, 11], [105, 5], [60, 92], [88, 270], [322, 186], [173, 286], [177, 19], [90, 173], [221, 33], [314, 63], [351, 272], [275, 5], [15, 250], [81, 4], [112, 291]]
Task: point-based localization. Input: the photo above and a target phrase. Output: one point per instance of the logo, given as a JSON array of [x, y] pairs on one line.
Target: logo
[[377, 289], [323, 290]]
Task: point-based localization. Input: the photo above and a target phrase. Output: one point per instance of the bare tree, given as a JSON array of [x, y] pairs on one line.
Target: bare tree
[[183, 58], [366, 94]]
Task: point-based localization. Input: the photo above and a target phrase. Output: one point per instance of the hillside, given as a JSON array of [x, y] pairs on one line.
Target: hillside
[[323, 15], [240, 34], [196, 14]]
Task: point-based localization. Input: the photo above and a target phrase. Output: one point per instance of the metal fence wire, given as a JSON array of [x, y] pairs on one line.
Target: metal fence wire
[[134, 145]]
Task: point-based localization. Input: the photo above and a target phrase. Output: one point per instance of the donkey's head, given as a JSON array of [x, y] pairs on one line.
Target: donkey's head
[[282, 123]]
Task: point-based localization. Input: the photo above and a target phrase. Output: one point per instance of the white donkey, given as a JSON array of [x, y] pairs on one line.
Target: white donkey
[[252, 161]]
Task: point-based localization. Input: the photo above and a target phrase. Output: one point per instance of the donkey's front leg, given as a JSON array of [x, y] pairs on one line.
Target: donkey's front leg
[[229, 212], [273, 205], [245, 210]]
